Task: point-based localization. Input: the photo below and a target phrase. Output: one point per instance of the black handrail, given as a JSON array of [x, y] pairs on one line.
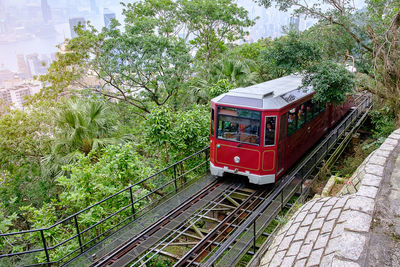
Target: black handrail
[[82, 246]]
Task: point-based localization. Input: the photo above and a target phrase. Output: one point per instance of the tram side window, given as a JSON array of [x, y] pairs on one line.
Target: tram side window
[[292, 122], [270, 129], [309, 110], [322, 106], [316, 109], [212, 122], [301, 115]]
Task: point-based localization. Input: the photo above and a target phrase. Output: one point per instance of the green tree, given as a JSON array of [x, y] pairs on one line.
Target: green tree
[[331, 82], [213, 23], [24, 140], [174, 135], [254, 53], [237, 71], [69, 71], [290, 54], [332, 41], [81, 126], [221, 87], [142, 67]]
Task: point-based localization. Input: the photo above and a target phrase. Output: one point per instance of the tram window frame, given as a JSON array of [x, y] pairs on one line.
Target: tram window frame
[[265, 130], [288, 132], [322, 107], [212, 122], [303, 122], [316, 109], [309, 113], [222, 126]]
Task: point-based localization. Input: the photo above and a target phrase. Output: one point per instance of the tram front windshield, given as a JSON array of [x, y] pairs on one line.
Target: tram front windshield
[[239, 125]]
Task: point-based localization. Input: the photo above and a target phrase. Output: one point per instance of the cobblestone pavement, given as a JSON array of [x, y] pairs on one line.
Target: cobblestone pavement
[[335, 231]]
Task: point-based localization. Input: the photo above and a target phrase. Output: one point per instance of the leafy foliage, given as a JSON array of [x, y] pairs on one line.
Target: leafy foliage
[[80, 127], [330, 81], [384, 123], [291, 54], [174, 135], [222, 86], [213, 23], [236, 71], [24, 140]]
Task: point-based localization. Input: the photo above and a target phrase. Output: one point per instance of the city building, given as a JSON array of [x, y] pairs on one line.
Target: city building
[[294, 23], [5, 75], [46, 12], [5, 97], [15, 91], [108, 16], [74, 22], [93, 7], [23, 67]]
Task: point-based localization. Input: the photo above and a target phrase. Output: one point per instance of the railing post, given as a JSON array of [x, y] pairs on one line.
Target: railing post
[[133, 205], [301, 186], [45, 248], [254, 236], [176, 187], [206, 154], [327, 147], [78, 233]]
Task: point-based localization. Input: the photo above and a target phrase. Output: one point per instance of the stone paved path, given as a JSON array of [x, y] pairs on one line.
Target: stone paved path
[[335, 231]]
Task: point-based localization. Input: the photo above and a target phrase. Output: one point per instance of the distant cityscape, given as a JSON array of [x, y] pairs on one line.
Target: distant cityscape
[[30, 32]]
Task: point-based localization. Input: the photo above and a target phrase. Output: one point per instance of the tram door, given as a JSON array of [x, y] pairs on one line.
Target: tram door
[[282, 144]]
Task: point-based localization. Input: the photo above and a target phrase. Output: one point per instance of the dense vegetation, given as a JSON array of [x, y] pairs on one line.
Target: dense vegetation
[[121, 103]]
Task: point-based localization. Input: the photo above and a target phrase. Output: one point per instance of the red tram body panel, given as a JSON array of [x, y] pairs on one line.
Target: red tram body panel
[[260, 131]]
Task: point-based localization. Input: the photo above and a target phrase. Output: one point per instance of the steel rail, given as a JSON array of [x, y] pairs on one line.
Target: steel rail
[[156, 225], [252, 200], [221, 224], [189, 221]]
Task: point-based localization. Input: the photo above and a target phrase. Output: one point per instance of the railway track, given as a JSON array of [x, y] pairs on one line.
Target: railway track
[[234, 215], [221, 206]]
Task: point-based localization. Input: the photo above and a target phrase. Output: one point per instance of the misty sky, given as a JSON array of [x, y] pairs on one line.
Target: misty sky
[[32, 26]]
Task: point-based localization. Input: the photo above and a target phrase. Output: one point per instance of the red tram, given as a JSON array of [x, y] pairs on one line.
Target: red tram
[[262, 130]]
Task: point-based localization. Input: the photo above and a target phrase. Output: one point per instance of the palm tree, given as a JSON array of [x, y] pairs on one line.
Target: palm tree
[[81, 126], [237, 71]]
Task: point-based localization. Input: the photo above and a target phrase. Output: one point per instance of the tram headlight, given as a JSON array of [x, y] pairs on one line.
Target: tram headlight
[[236, 159]]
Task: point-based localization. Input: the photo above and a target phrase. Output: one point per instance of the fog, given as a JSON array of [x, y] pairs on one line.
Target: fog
[[30, 30]]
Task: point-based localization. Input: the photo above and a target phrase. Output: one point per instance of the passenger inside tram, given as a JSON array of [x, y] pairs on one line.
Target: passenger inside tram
[[291, 122], [269, 133], [239, 125]]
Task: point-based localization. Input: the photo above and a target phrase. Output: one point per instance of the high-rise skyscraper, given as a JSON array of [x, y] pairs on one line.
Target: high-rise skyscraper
[[108, 16], [294, 23], [73, 22], [46, 13], [93, 7], [36, 65], [23, 67]]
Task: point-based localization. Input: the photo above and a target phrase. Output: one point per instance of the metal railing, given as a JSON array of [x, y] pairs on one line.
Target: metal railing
[[254, 226], [127, 205]]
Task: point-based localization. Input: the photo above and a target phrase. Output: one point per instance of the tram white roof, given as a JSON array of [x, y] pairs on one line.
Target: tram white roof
[[273, 94]]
